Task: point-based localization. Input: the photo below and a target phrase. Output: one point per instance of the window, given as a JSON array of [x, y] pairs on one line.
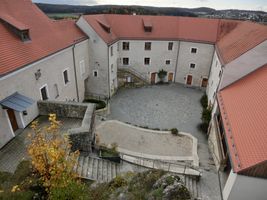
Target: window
[[220, 74], [95, 73], [82, 67], [111, 51], [193, 50], [147, 45], [112, 68], [192, 65], [147, 61], [125, 61], [44, 93], [170, 45], [125, 45], [56, 90], [66, 76], [168, 62]]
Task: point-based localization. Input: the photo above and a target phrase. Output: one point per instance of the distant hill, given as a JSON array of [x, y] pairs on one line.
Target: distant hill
[[58, 11], [114, 9]]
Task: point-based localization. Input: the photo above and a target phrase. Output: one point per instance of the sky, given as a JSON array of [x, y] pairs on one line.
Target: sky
[[217, 4]]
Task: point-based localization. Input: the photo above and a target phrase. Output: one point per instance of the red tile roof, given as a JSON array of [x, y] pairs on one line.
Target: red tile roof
[[163, 27], [244, 111], [233, 38], [47, 36], [245, 36]]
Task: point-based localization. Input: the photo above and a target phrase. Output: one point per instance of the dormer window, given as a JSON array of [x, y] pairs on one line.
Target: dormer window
[[18, 28], [147, 25], [25, 36], [105, 26]]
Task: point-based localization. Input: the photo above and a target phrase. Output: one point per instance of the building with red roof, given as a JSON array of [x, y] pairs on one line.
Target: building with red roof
[[40, 59], [63, 60]]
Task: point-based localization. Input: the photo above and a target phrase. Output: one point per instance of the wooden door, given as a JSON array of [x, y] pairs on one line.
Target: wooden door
[[170, 77], [189, 79], [204, 82], [153, 78], [12, 119]]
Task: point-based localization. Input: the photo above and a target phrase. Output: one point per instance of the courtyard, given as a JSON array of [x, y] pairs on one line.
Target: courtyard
[[165, 107]]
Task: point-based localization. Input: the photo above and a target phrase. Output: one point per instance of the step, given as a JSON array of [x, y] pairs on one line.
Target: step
[[80, 165], [109, 171], [85, 166], [104, 171]]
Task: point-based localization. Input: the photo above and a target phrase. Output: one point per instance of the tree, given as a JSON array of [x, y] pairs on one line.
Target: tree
[[52, 159]]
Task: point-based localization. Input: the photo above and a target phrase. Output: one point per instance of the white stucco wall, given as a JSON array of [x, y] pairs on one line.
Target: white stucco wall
[[245, 64], [98, 61], [158, 55], [202, 59], [214, 79], [81, 53], [113, 66], [239, 187], [24, 82]]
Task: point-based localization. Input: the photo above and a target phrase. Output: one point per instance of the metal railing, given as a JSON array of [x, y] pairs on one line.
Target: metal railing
[[135, 73], [163, 165]]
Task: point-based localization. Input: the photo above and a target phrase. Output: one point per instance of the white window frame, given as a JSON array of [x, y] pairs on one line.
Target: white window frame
[[168, 60], [148, 62], [68, 74], [128, 61], [57, 90], [193, 48], [191, 67], [168, 46], [128, 46], [82, 67], [96, 73], [47, 92]]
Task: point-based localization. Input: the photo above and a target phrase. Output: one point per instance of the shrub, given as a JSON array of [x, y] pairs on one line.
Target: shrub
[[51, 158], [206, 115], [204, 101], [162, 74], [203, 127], [174, 131], [117, 182]]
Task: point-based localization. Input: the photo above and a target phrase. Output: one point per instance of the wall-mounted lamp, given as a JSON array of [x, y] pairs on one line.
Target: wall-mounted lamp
[[37, 74]]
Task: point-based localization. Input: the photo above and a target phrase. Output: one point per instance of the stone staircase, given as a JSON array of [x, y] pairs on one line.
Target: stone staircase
[[193, 185], [138, 79], [96, 169]]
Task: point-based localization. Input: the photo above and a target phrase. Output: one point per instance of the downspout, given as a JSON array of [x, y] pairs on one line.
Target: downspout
[[108, 76], [75, 73], [178, 51]]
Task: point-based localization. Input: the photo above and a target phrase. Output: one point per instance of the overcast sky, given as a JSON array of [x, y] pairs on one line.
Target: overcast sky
[[217, 4]]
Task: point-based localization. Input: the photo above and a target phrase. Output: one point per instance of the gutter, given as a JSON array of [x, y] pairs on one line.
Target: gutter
[[178, 51], [108, 75], [75, 72]]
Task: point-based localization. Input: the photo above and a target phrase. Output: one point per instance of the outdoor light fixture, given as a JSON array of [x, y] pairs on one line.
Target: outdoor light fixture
[[37, 74]]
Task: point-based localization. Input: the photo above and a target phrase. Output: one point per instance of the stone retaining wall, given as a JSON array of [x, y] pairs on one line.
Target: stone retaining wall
[[81, 138]]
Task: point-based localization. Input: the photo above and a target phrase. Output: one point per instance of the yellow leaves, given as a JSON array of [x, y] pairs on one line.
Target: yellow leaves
[[49, 152], [15, 188]]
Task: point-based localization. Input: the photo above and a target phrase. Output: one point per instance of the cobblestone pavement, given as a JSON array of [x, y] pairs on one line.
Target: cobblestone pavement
[[166, 107], [15, 151]]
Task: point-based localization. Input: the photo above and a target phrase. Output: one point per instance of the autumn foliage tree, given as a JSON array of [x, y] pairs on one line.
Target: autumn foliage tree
[[51, 157]]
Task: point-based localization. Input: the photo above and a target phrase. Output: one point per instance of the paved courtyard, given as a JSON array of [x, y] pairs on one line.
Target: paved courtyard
[[166, 107]]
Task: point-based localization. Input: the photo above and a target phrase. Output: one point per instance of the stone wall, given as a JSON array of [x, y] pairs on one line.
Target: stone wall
[[82, 138]]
